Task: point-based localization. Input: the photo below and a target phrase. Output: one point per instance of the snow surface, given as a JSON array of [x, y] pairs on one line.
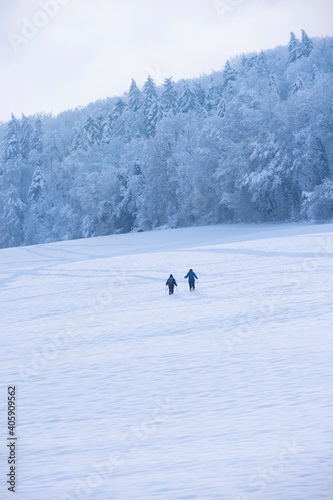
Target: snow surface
[[126, 393]]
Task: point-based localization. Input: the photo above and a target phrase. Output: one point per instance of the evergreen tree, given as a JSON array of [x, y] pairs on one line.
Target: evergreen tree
[[169, 98], [149, 93], [119, 107], [152, 117], [262, 63], [188, 101], [221, 108], [37, 137], [200, 94], [294, 48], [251, 62], [134, 99], [77, 139], [105, 132], [213, 97], [116, 113], [229, 74], [274, 84], [12, 140], [12, 219], [151, 110], [92, 131], [37, 185], [298, 84], [26, 135], [306, 45]]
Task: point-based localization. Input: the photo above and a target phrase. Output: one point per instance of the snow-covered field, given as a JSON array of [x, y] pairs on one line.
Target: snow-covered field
[[126, 393]]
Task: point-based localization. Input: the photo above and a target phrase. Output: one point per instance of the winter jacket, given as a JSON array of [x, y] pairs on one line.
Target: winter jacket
[[191, 276], [171, 282]]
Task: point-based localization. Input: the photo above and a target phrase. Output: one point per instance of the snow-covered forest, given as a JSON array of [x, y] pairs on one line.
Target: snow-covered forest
[[250, 143]]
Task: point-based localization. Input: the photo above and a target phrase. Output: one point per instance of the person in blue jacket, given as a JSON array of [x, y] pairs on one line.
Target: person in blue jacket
[[171, 282], [191, 279]]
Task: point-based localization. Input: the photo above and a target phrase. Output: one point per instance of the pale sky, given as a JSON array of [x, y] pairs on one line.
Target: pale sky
[[59, 54]]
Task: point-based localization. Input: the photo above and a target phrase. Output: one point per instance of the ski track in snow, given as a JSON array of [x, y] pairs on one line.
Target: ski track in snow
[[126, 393]]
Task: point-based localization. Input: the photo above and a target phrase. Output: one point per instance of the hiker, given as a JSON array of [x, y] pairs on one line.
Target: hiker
[[171, 282], [191, 279]]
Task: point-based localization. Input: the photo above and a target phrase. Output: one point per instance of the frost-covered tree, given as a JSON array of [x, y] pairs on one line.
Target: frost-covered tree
[[306, 45], [262, 63], [188, 101], [37, 185], [297, 85], [36, 142], [12, 219], [294, 48], [318, 205], [134, 98], [152, 117], [92, 131], [151, 109], [169, 97], [229, 75], [149, 93], [12, 140], [213, 96], [221, 108], [200, 93], [26, 136], [115, 115], [274, 84]]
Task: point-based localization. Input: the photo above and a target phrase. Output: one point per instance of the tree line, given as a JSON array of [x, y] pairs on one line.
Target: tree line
[[250, 143]]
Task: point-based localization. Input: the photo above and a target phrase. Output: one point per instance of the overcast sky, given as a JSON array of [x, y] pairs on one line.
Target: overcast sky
[[72, 52]]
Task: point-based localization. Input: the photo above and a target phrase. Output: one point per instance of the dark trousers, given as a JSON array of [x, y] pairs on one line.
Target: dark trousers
[[171, 289], [192, 285]]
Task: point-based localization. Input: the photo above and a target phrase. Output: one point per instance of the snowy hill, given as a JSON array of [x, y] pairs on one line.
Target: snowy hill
[[126, 393]]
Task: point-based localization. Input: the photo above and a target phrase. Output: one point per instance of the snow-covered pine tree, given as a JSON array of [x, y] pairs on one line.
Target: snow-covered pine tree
[[169, 97], [77, 140], [221, 108], [36, 220], [229, 75], [151, 109], [26, 136], [37, 184], [119, 108], [200, 94], [262, 63], [105, 132], [318, 205], [116, 113], [306, 44], [12, 140], [152, 117], [134, 97], [251, 62], [12, 219], [92, 131], [149, 93], [274, 84], [188, 101], [36, 143], [103, 123], [294, 49], [297, 85]]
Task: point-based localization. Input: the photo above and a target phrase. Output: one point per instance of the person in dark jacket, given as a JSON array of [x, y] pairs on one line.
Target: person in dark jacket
[[171, 282], [191, 279]]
